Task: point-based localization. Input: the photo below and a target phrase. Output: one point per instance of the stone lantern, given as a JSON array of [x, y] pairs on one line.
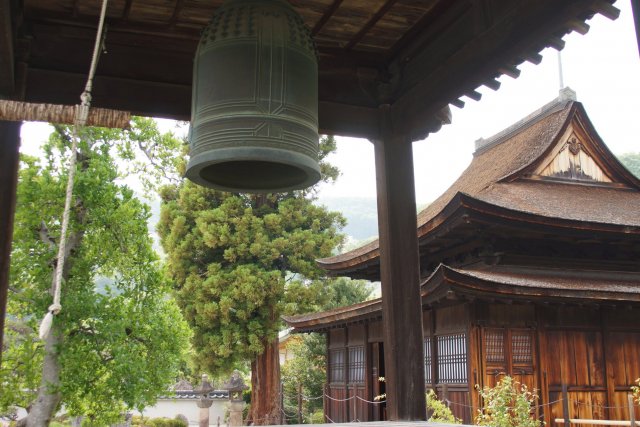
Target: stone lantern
[[235, 386], [204, 403]]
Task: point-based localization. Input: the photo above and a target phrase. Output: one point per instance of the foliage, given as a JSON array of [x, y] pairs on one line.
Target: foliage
[[317, 417], [508, 404], [302, 376], [342, 292], [148, 154], [440, 413], [138, 421], [305, 372], [632, 162], [635, 391], [240, 261], [121, 338]]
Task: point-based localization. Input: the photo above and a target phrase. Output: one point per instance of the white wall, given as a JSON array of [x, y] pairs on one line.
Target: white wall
[[170, 408]]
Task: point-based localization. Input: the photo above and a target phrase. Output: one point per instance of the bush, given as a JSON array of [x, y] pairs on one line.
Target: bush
[[158, 422], [440, 412], [635, 390], [317, 417], [508, 404]]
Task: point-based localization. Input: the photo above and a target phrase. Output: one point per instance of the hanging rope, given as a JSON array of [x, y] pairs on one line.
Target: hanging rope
[[82, 112]]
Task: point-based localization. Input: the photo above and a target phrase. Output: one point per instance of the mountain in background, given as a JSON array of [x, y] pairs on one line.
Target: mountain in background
[[361, 214]]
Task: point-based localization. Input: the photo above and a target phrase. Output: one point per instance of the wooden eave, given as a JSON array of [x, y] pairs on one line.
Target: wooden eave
[[464, 211], [507, 284], [447, 284], [315, 322], [416, 57]]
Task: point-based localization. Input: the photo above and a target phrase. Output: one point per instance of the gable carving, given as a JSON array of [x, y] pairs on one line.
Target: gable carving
[[574, 162]]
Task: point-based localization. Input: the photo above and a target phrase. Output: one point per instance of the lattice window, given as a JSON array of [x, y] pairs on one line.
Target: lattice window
[[521, 351], [452, 359], [336, 365], [427, 360], [356, 365], [494, 344]]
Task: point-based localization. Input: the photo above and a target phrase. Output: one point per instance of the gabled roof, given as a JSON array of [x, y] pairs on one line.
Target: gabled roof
[[502, 174]]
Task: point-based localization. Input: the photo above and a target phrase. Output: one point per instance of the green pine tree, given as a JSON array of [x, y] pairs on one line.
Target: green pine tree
[[239, 262]]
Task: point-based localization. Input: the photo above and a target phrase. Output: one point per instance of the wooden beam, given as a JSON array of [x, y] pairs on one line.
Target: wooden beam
[[7, 82], [327, 15], [9, 155], [144, 98], [399, 273], [470, 58], [373, 21], [15, 111], [347, 120], [176, 13], [635, 7]]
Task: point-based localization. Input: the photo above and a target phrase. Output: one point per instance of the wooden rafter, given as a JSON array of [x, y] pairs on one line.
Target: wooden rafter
[[370, 24], [327, 15], [127, 10], [176, 13]]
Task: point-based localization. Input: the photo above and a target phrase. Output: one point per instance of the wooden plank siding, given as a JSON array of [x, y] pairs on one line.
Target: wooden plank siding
[[595, 351], [349, 375], [597, 364]]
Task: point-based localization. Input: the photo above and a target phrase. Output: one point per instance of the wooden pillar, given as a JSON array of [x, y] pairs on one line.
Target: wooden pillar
[[635, 7], [9, 146], [399, 273]]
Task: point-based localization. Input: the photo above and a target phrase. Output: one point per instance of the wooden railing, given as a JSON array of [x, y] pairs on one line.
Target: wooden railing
[[567, 421]]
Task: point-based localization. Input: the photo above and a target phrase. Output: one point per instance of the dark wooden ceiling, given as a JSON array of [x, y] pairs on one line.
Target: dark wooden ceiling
[[417, 56]]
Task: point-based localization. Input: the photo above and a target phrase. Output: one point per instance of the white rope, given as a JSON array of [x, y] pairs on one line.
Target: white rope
[[82, 112]]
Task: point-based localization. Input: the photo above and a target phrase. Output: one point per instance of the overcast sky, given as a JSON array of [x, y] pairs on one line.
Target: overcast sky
[[603, 67]]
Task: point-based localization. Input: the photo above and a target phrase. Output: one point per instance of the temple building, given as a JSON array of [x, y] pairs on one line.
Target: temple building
[[529, 267]]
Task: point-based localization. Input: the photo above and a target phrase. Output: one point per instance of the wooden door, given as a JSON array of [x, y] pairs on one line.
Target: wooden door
[[575, 358], [509, 351]]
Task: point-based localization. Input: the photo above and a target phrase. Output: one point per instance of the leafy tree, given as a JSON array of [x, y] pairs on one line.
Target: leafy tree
[[239, 262], [631, 162], [305, 374], [118, 341], [439, 412], [508, 404]]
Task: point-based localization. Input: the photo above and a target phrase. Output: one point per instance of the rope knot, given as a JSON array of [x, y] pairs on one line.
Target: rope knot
[[55, 308]]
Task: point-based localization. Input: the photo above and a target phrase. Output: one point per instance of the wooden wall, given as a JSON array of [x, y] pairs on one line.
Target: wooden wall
[[346, 395], [594, 351]]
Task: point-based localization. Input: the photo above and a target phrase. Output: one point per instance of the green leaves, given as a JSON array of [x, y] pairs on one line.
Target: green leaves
[[508, 404], [632, 162], [439, 411], [122, 338], [239, 262]]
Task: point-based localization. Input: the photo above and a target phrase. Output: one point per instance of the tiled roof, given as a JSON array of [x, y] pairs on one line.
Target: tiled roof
[[216, 394], [529, 283], [510, 282], [354, 312]]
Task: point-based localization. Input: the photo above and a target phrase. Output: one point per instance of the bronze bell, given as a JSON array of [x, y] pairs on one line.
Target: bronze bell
[[254, 112]]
